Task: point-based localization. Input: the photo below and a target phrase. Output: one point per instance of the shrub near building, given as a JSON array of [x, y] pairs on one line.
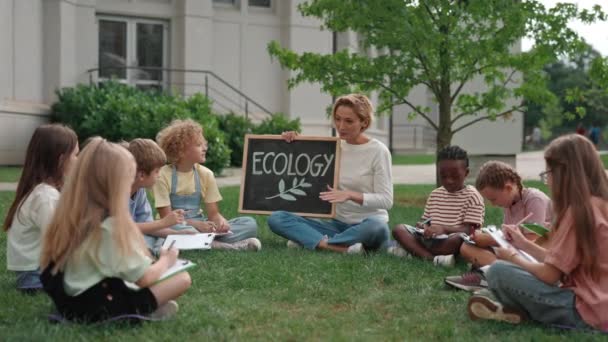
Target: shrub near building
[[119, 112]]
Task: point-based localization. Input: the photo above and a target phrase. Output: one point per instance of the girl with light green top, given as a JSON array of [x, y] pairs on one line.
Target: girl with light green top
[[92, 246]]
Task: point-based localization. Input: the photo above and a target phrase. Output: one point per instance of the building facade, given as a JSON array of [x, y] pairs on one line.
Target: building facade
[[217, 47]]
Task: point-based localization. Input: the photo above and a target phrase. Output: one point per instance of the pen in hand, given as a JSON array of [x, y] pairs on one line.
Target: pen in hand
[[524, 219], [171, 245]]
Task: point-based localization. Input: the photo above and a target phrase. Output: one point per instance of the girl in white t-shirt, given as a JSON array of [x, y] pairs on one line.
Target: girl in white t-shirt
[[92, 247], [51, 151]]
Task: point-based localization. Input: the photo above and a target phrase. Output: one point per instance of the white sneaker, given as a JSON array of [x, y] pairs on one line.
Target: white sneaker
[[251, 244], [355, 249], [398, 251], [166, 311], [293, 244], [444, 260]]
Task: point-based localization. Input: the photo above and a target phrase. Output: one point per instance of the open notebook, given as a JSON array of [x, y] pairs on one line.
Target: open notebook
[[179, 266], [190, 241], [499, 237], [420, 231]]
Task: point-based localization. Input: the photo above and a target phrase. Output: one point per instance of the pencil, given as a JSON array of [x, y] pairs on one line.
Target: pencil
[[524, 219]]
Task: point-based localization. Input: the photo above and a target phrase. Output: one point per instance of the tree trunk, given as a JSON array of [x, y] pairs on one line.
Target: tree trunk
[[444, 98], [444, 133]]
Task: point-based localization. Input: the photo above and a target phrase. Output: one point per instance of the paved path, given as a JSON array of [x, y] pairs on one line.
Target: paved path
[[529, 165]]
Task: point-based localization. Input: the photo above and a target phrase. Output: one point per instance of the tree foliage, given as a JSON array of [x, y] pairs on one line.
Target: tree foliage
[[443, 45], [580, 96]]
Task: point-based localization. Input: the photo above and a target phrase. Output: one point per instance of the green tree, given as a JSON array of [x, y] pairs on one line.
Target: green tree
[[577, 96], [443, 45], [599, 72]]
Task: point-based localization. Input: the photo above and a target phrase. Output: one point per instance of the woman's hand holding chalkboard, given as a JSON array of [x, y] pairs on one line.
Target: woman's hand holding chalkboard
[[289, 136]]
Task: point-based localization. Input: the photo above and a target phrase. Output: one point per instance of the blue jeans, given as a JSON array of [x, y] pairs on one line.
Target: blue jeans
[[518, 289], [28, 280], [242, 228], [372, 232]]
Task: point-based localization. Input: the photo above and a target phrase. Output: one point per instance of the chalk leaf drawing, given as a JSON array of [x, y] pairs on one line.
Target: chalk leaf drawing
[[296, 189]]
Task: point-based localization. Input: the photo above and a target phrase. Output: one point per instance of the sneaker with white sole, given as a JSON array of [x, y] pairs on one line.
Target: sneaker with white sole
[[483, 305], [293, 244], [250, 244], [470, 281], [444, 260], [355, 249], [165, 311], [398, 251]]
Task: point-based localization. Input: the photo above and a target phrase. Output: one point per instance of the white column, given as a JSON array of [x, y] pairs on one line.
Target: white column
[[306, 101], [192, 42]]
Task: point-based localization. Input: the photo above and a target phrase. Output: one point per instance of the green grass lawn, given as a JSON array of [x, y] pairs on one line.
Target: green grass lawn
[[413, 159], [10, 173], [284, 294], [604, 160]]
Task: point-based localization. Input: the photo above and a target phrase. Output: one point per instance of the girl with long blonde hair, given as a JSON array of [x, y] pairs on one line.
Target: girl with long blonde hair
[[521, 288], [92, 246]]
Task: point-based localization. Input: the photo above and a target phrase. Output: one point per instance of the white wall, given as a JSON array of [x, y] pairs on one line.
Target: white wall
[[21, 76], [48, 44]]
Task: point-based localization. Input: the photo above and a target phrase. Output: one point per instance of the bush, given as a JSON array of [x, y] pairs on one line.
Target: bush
[[235, 127], [277, 124], [119, 112]]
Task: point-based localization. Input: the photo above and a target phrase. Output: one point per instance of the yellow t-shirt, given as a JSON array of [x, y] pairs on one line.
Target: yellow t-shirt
[[185, 185]]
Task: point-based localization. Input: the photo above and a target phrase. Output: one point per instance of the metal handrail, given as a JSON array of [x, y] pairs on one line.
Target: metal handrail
[[193, 71]]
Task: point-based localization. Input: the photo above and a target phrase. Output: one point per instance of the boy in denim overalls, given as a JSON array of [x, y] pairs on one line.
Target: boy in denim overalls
[[186, 184]]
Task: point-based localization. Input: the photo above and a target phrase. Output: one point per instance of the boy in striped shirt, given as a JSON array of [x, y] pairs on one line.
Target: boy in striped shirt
[[450, 210]]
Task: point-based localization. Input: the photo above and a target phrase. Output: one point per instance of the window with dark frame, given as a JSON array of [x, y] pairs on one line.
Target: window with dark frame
[[260, 3], [132, 51]]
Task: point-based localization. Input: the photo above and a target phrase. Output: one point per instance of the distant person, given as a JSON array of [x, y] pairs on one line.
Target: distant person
[[580, 129], [594, 134], [536, 136]]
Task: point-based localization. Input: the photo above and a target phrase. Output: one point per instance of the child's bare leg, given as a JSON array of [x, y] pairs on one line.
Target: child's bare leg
[[451, 245], [323, 245], [477, 256], [409, 242], [171, 288]]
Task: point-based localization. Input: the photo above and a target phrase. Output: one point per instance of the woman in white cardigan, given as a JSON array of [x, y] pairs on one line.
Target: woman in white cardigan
[[364, 192]]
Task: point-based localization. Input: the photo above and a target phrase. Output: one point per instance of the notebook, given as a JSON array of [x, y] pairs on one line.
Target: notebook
[[190, 241], [179, 266], [499, 237], [535, 228], [420, 231]]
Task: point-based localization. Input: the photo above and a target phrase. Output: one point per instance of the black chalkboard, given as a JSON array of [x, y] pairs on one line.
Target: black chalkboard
[[288, 176]]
